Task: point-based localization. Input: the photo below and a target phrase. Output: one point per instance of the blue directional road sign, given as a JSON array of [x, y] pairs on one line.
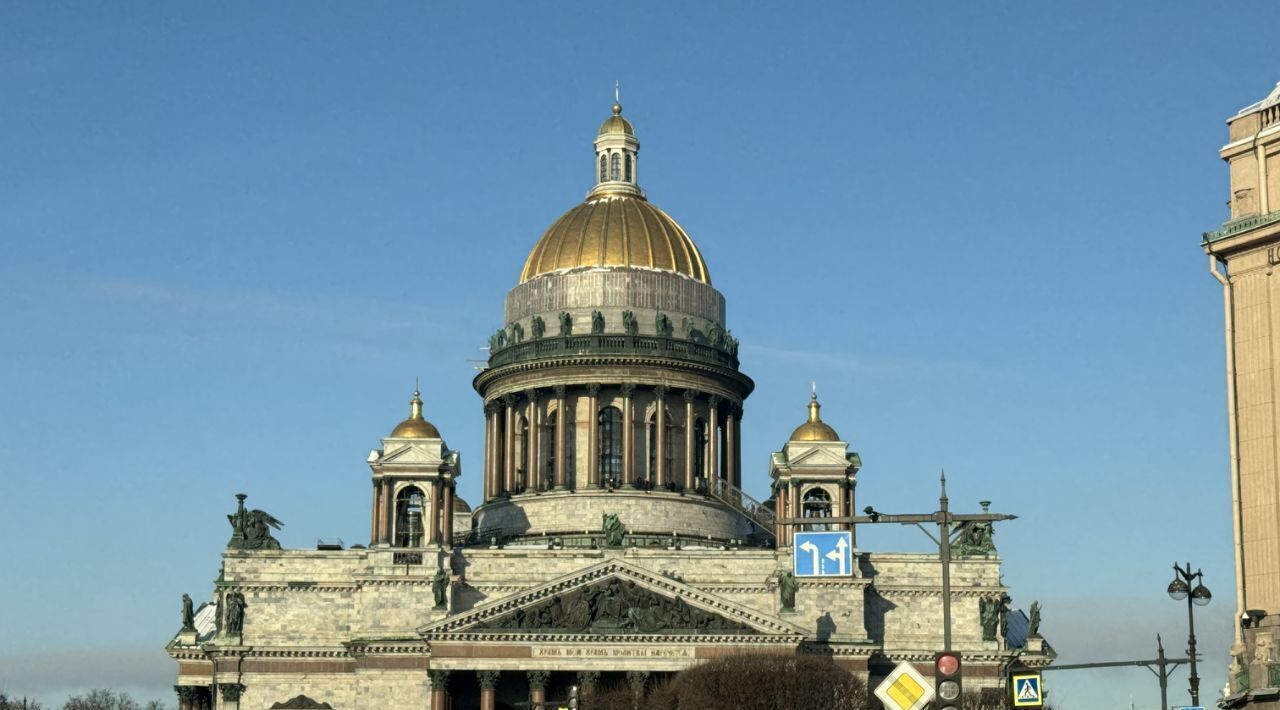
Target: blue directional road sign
[[823, 554]]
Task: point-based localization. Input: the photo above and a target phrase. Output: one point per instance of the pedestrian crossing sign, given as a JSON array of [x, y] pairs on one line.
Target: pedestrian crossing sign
[[1027, 691]]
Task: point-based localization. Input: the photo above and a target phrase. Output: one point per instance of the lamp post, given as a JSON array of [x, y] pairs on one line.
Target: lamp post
[[1179, 589]]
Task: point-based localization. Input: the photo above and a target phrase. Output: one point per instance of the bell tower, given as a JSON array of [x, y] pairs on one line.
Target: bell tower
[[1243, 255], [414, 476]]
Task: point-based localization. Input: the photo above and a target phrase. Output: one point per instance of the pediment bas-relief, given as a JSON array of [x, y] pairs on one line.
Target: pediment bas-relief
[[614, 606], [301, 702]]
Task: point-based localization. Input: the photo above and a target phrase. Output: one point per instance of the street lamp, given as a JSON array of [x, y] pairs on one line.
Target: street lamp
[[1180, 588]]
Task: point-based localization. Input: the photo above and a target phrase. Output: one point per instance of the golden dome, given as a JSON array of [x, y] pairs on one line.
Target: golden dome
[[815, 429], [460, 505], [415, 427], [616, 123], [616, 230]]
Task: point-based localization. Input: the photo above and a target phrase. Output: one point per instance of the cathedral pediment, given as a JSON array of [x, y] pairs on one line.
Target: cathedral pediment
[[610, 599], [821, 455], [411, 454]]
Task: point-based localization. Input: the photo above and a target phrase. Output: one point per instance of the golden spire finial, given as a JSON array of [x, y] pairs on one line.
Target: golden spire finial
[[617, 98], [813, 403], [415, 405]]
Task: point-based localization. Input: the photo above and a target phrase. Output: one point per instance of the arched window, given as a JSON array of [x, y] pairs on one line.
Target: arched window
[[816, 504], [522, 454], [699, 451], [615, 167], [604, 168], [668, 459], [628, 167], [610, 437], [410, 505], [549, 473]]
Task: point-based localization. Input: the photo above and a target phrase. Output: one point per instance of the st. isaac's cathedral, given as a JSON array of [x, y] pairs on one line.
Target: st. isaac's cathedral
[[614, 542]]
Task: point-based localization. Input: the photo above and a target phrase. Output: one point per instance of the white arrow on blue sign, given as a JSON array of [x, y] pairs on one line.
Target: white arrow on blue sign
[[823, 554]]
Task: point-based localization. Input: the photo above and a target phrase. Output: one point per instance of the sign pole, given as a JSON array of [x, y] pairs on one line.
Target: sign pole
[[944, 552]]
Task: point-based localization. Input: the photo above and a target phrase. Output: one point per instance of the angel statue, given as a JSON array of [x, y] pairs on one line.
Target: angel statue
[[251, 529]]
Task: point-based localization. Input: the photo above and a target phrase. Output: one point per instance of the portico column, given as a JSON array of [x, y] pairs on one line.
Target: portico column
[[509, 443], [373, 514], [186, 696], [433, 518], [488, 684], [779, 512], [593, 435], [713, 438], [737, 448], [439, 689], [628, 437], [534, 475], [446, 516], [538, 687], [490, 487], [388, 510], [731, 446], [562, 423], [660, 436], [689, 397]]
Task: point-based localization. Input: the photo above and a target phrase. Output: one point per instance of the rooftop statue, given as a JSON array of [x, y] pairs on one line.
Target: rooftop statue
[[1033, 628], [188, 616], [439, 585], [251, 529], [614, 531]]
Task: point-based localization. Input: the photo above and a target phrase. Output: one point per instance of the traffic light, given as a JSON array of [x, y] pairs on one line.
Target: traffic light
[[946, 680]]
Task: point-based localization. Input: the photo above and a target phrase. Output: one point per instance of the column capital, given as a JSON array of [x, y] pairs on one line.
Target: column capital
[[488, 679], [691, 395], [531, 394], [714, 400], [188, 693], [538, 679], [627, 389], [491, 406], [559, 391], [439, 678], [660, 391], [588, 680], [509, 399], [230, 691], [593, 389]]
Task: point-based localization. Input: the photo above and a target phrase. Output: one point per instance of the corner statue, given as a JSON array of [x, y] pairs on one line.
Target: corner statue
[[787, 586], [439, 585], [1033, 628], [251, 529], [188, 616]]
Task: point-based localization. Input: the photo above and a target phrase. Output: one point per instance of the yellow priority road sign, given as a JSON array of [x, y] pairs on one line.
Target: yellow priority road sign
[[905, 689]]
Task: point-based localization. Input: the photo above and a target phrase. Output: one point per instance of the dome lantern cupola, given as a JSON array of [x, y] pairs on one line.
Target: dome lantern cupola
[[617, 153], [814, 429], [415, 427]]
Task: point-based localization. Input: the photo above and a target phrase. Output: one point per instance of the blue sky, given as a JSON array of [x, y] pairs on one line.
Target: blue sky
[[231, 235]]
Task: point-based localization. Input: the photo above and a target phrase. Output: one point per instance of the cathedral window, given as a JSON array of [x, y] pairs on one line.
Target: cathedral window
[[699, 450], [410, 504], [604, 168], [628, 167], [549, 474], [610, 438], [615, 167], [817, 504]]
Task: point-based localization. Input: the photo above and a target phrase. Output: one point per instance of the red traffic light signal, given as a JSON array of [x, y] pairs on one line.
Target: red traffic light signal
[[947, 667]]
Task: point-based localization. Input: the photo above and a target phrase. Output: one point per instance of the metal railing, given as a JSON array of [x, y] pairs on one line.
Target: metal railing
[[736, 498], [640, 345], [1243, 224]]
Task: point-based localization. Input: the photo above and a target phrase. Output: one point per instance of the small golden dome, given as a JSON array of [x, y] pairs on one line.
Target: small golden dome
[[415, 427], [460, 505], [616, 230], [815, 429], [616, 123]]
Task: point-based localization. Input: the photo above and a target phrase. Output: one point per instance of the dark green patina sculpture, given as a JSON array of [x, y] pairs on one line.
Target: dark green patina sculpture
[[597, 323], [615, 606], [614, 531], [251, 529], [439, 585], [989, 613], [787, 587], [977, 538], [629, 324], [1002, 608], [538, 327], [188, 616], [515, 333], [662, 324], [566, 323], [1033, 627], [235, 613]]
